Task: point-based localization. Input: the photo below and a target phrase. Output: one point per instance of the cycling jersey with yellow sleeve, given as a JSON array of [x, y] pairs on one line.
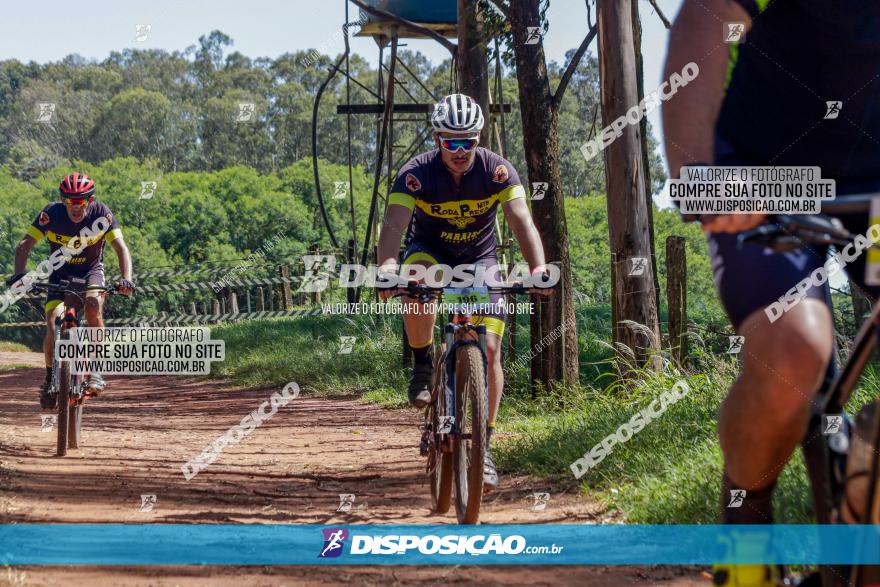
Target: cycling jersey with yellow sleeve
[[457, 221], [54, 223]]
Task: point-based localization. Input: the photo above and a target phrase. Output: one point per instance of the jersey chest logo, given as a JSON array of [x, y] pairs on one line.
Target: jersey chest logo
[[461, 222], [412, 183], [44, 219], [501, 174]]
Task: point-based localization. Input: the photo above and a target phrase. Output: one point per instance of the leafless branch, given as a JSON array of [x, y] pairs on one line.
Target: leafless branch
[[665, 20], [572, 66], [502, 7], [407, 23]]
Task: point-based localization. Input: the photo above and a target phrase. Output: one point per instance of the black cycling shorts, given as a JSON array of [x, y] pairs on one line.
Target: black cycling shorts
[[494, 319], [751, 278]]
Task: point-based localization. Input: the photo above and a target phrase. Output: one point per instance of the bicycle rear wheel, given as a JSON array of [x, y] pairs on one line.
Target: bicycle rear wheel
[[470, 440], [64, 412], [439, 462]]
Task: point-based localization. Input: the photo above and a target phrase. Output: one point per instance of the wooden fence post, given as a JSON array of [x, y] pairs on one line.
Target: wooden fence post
[[316, 296], [676, 297], [216, 308], [260, 306], [233, 302], [284, 271]]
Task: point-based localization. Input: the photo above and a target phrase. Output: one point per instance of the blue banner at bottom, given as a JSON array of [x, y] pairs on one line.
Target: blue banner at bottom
[[547, 544]]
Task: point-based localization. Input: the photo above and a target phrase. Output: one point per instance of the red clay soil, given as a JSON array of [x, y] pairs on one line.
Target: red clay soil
[[290, 470]]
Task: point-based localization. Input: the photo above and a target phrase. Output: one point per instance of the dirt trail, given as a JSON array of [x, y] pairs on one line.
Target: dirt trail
[[290, 470]]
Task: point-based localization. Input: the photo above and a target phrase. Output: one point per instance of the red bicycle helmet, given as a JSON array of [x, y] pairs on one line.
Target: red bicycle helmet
[[77, 185]]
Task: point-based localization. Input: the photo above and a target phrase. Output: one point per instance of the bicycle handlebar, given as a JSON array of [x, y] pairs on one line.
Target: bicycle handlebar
[[420, 289], [63, 286]]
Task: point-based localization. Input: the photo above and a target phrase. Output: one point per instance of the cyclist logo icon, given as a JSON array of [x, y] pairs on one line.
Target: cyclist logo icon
[[46, 110], [148, 189], [832, 424], [141, 32], [147, 503], [340, 190], [317, 273], [334, 539], [736, 498], [736, 344], [535, 34], [245, 112], [440, 112], [541, 499], [346, 500], [47, 422], [735, 32], [637, 266], [539, 190], [833, 109], [446, 423], [346, 344]]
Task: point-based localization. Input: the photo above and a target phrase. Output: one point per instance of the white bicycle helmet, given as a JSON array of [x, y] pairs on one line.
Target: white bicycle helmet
[[457, 113]]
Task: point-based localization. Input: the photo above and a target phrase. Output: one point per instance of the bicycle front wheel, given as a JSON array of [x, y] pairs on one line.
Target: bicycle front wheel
[[64, 412], [439, 461], [471, 417]]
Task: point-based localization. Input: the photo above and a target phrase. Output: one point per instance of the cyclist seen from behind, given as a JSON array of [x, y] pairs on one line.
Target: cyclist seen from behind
[[766, 101], [63, 223], [446, 200]]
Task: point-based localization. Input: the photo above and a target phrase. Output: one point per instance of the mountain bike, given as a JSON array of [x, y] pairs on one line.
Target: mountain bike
[[71, 388], [454, 431], [843, 465]]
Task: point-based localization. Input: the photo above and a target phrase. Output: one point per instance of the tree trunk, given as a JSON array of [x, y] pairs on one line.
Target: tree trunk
[[643, 127], [558, 361], [676, 297], [634, 304], [473, 66]]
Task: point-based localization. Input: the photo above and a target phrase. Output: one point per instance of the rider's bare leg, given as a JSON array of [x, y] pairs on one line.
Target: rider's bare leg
[[49, 339], [765, 415], [94, 305], [496, 374]]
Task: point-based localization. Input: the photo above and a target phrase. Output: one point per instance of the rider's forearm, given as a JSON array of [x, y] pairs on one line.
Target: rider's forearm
[[529, 240], [690, 115], [124, 262], [22, 252], [396, 220]]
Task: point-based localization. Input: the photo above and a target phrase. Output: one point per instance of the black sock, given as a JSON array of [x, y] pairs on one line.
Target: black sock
[[490, 428], [424, 354], [48, 373], [756, 507]]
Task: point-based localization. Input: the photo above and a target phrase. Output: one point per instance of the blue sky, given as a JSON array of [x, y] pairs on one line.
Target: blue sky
[[51, 29]]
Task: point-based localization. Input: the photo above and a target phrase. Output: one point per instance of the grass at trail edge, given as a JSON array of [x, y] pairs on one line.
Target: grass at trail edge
[[669, 472]]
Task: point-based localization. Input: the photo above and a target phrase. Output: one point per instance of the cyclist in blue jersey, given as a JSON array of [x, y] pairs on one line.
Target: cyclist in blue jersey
[[800, 88], [446, 200]]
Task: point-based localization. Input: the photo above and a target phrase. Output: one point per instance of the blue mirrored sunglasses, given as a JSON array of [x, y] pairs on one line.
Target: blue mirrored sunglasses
[[453, 145]]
